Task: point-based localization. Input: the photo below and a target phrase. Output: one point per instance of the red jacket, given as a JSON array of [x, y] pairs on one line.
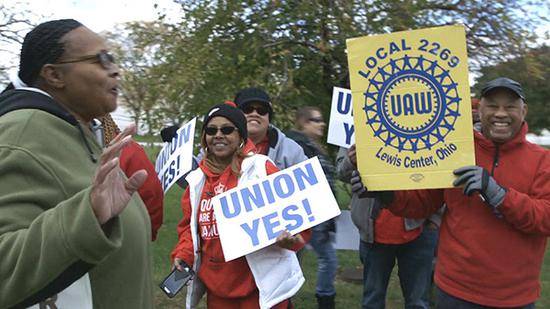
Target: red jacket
[[481, 258], [390, 229], [132, 159], [225, 279]]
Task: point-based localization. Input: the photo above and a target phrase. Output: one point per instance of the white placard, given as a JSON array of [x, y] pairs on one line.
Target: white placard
[[341, 131], [176, 158], [251, 217]]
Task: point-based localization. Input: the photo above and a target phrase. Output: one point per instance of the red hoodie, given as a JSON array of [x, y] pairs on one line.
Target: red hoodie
[[132, 159], [225, 279], [481, 258]]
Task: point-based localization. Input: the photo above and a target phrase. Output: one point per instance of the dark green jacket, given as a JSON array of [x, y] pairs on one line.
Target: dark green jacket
[[49, 236]]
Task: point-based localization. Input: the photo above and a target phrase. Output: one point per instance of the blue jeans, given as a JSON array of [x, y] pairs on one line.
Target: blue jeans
[[447, 301], [326, 262], [414, 260]]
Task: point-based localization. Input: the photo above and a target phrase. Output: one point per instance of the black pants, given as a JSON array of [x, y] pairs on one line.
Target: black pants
[[446, 301]]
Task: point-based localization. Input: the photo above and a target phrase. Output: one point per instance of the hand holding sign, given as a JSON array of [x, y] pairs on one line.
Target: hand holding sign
[[287, 241], [111, 191], [352, 155], [357, 187]]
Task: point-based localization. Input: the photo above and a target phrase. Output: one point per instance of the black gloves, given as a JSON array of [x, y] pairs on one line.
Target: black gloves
[[475, 178], [357, 187], [168, 133]]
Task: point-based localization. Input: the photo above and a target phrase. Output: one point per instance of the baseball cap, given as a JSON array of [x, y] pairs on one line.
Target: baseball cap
[[503, 82]]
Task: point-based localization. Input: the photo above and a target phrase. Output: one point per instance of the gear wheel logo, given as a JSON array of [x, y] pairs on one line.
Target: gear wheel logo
[[411, 103]]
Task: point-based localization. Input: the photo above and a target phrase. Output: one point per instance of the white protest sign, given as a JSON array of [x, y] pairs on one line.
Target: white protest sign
[[251, 217], [176, 158], [341, 131]]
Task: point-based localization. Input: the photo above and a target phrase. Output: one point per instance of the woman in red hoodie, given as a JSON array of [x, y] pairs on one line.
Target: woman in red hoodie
[[264, 279]]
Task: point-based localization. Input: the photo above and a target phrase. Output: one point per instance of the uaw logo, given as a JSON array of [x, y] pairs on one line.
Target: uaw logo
[[411, 103]]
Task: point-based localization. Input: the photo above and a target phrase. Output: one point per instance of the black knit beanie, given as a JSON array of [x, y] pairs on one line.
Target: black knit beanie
[[230, 112]]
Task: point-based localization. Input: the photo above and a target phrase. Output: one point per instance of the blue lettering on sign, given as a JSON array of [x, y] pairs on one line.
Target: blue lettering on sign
[[341, 106], [420, 104], [294, 220], [282, 186], [292, 217], [307, 208], [252, 231], [252, 199], [300, 176], [349, 129], [168, 175], [278, 185], [227, 212], [184, 135], [268, 192], [270, 225], [380, 53]]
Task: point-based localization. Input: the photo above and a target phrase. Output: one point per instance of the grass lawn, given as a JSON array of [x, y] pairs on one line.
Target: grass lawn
[[348, 294]]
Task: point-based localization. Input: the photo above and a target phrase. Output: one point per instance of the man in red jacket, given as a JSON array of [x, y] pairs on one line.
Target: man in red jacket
[[493, 233]]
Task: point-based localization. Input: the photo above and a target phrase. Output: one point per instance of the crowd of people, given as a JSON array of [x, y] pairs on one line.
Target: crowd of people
[[80, 202]]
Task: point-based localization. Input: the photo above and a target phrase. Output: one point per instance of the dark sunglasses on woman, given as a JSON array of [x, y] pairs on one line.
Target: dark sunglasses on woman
[[261, 110], [214, 130], [103, 57], [316, 120]]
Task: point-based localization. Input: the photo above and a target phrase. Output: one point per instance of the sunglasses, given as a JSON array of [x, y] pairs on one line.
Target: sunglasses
[[316, 120], [261, 110], [103, 57], [214, 130]]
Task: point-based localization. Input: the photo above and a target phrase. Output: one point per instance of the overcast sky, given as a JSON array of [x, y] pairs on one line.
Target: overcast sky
[[98, 15]]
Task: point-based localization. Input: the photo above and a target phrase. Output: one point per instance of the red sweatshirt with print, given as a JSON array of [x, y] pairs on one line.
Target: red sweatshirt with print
[[225, 279]]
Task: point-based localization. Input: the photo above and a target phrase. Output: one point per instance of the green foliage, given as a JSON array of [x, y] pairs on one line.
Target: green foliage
[[531, 70], [294, 49]]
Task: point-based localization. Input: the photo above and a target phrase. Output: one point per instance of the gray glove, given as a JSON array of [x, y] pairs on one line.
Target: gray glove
[[357, 187], [475, 178]]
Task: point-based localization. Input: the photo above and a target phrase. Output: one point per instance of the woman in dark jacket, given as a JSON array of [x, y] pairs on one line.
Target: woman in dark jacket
[[310, 130]]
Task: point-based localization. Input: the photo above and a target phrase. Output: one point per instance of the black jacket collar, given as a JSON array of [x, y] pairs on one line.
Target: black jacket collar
[[12, 100]]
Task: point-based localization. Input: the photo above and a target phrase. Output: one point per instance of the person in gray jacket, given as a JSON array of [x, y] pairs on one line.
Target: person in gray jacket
[[268, 139], [385, 238]]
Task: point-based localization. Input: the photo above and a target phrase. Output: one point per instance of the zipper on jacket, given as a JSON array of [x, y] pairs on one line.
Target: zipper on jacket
[[495, 160]]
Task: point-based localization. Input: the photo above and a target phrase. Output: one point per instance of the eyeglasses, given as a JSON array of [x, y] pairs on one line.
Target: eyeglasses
[[316, 120], [214, 130], [103, 57], [260, 109]]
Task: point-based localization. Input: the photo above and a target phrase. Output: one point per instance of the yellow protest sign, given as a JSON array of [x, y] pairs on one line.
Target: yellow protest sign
[[412, 108]]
